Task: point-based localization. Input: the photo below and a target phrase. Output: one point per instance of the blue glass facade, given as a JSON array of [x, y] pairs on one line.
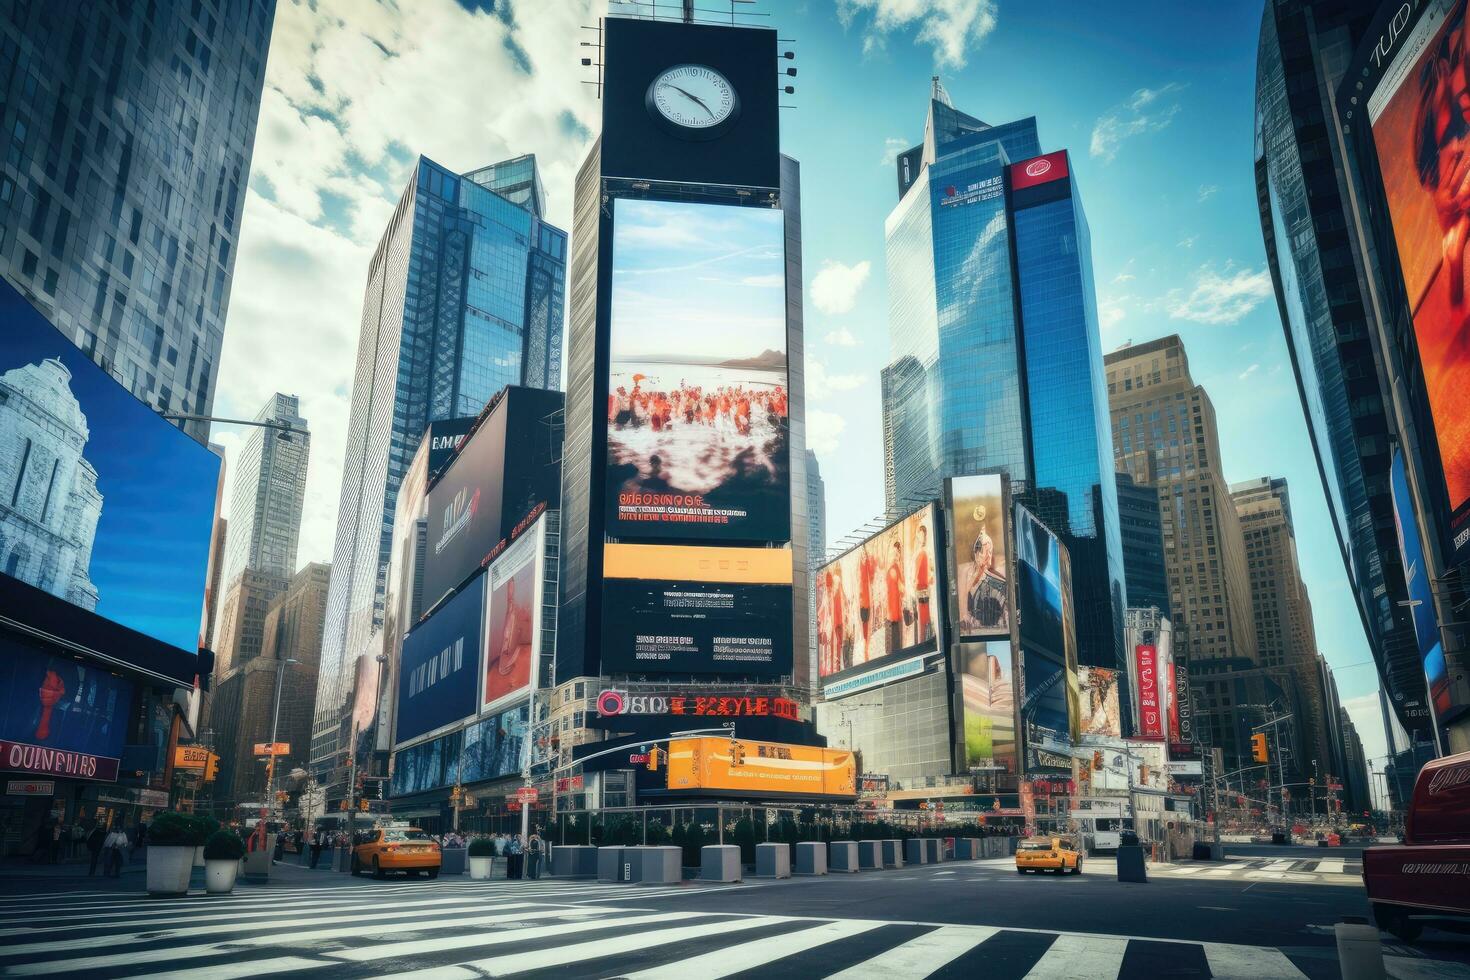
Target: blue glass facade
[[996, 361], [465, 296]]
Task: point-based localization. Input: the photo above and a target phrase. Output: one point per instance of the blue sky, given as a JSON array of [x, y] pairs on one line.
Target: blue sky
[[1153, 99]]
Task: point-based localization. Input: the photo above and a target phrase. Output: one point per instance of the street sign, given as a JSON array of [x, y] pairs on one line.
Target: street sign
[[24, 787], [272, 748], [191, 757], [527, 794]]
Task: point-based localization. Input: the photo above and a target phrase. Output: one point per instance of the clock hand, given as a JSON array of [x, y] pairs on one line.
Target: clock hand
[[695, 98]]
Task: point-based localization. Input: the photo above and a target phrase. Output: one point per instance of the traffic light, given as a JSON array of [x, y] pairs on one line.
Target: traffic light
[[1258, 748], [211, 768], [362, 806], [1097, 761], [655, 758]]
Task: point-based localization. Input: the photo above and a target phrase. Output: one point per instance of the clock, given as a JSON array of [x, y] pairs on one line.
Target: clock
[[693, 101]]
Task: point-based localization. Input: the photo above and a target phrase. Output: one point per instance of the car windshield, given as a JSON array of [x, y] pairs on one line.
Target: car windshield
[[1036, 845], [398, 836]]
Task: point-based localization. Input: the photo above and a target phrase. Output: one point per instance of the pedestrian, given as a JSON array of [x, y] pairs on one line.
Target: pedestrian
[[318, 839], [516, 850], [95, 840], [57, 833], [534, 848], [114, 846], [78, 836]]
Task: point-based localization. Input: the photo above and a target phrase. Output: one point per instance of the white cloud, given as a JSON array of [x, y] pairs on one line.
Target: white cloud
[[1207, 191], [841, 337], [892, 147], [1145, 111], [1124, 277], [1188, 242], [1110, 311], [950, 27], [353, 92], [823, 430], [820, 385], [1220, 298], [835, 286], [1248, 372], [774, 280]]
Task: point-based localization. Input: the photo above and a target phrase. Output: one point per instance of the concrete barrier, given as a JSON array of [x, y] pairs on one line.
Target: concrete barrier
[[452, 860], [811, 858], [933, 850], [870, 855], [914, 851], [719, 862], [968, 848], [842, 855], [656, 865], [573, 861], [610, 864], [772, 861], [892, 853]]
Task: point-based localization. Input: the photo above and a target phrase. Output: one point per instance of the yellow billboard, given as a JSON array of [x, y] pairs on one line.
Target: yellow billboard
[[191, 757], [760, 768]]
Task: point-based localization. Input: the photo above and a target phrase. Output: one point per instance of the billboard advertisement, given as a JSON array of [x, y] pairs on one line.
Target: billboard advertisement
[[880, 599], [686, 609], [513, 639], [988, 696], [760, 769], [697, 406], [106, 505], [445, 437], [1039, 170], [60, 717], [1100, 709], [1420, 116], [1047, 711], [1039, 585], [1148, 684], [978, 555], [439, 664], [1416, 578], [464, 511]]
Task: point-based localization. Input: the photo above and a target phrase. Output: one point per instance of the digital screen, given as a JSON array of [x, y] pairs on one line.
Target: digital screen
[[1045, 713], [760, 768], [1147, 667], [439, 664], [1039, 585], [880, 599], [102, 503], [979, 555], [988, 692], [684, 609], [697, 406], [513, 640], [445, 437], [60, 717], [495, 746], [1421, 129], [464, 511], [1421, 594], [1101, 712]]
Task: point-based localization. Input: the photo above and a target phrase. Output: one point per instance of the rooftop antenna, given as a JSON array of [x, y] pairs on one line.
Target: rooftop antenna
[[937, 91], [688, 11]]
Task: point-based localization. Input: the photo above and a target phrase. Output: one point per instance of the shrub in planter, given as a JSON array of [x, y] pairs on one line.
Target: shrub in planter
[[482, 847], [170, 829], [482, 858], [172, 839], [222, 853]]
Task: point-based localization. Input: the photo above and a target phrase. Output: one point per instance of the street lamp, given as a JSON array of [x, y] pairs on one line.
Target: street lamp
[[284, 429], [270, 767]]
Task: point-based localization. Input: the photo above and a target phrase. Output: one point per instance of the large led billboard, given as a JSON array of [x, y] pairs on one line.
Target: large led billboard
[[759, 769], [1100, 707], [439, 666], [880, 599], [684, 609], [60, 717], [1420, 116], [978, 555], [697, 406], [513, 639], [1421, 595], [1049, 704], [103, 504], [988, 697], [1039, 585]]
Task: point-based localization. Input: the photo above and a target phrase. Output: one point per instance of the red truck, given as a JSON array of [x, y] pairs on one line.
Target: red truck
[[1428, 875]]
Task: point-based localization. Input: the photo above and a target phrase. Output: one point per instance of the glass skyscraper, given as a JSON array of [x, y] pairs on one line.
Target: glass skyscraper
[[464, 296], [127, 131], [996, 362], [1304, 50]]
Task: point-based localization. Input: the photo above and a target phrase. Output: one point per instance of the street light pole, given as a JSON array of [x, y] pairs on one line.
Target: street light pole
[[269, 802]]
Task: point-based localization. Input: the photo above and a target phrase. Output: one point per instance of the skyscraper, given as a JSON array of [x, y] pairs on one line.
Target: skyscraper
[[464, 296], [267, 495], [1302, 189], [1143, 544], [129, 130], [996, 363], [816, 536], [1164, 436]]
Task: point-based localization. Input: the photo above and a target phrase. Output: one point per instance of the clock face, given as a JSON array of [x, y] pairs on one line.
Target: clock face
[[694, 98]]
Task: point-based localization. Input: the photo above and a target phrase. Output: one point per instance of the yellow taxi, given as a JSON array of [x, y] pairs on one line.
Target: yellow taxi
[[1059, 854], [395, 847]]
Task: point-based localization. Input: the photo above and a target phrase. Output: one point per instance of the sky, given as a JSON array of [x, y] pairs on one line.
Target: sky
[[1156, 110]]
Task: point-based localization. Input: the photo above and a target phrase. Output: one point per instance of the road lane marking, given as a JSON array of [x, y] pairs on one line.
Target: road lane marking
[[1279, 866], [759, 952], [419, 947], [1332, 866], [1229, 962], [921, 955], [1080, 958]]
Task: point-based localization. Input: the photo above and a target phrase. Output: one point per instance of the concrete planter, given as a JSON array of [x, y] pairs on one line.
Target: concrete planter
[[656, 865], [574, 861], [842, 855], [914, 851], [870, 855], [452, 860], [610, 864], [892, 853], [480, 867], [811, 858], [720, 862], [220, 874], [169, 868], [772, 861], [199, 856]]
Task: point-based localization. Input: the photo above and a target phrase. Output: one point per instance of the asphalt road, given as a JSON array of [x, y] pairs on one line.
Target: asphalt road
[[958, 919]]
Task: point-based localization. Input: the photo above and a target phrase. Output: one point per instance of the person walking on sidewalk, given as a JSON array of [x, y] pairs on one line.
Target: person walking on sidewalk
[[115, 845], [516, 849], [534, 861], [318, 841], [95, 840]]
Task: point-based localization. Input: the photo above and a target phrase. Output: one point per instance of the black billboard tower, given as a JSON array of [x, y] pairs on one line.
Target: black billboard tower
[[684, 504]]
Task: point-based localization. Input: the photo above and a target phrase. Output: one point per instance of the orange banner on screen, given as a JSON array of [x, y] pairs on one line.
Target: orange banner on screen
[[760, 566], [760, 767]]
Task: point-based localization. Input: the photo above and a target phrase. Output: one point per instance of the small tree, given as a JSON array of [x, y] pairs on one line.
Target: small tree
[[224, 845]]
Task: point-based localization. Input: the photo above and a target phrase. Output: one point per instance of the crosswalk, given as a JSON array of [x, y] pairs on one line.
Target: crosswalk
[[448, 930], [1332, 871]]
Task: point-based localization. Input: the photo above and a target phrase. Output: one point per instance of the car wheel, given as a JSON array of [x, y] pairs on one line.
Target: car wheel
[[356, 866], [378, 869], [433, 873], [1397, 921], [1020, 871]]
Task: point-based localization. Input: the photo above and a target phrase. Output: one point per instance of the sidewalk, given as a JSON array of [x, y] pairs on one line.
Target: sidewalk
[[21, 869]]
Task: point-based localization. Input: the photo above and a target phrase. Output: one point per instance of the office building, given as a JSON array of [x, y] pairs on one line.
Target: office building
[[1142, 533], [1165, 437], [267, 495], [464, 296], [239, 633], [996, 364], [816, 548], [129, 131], [1327, 314]]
